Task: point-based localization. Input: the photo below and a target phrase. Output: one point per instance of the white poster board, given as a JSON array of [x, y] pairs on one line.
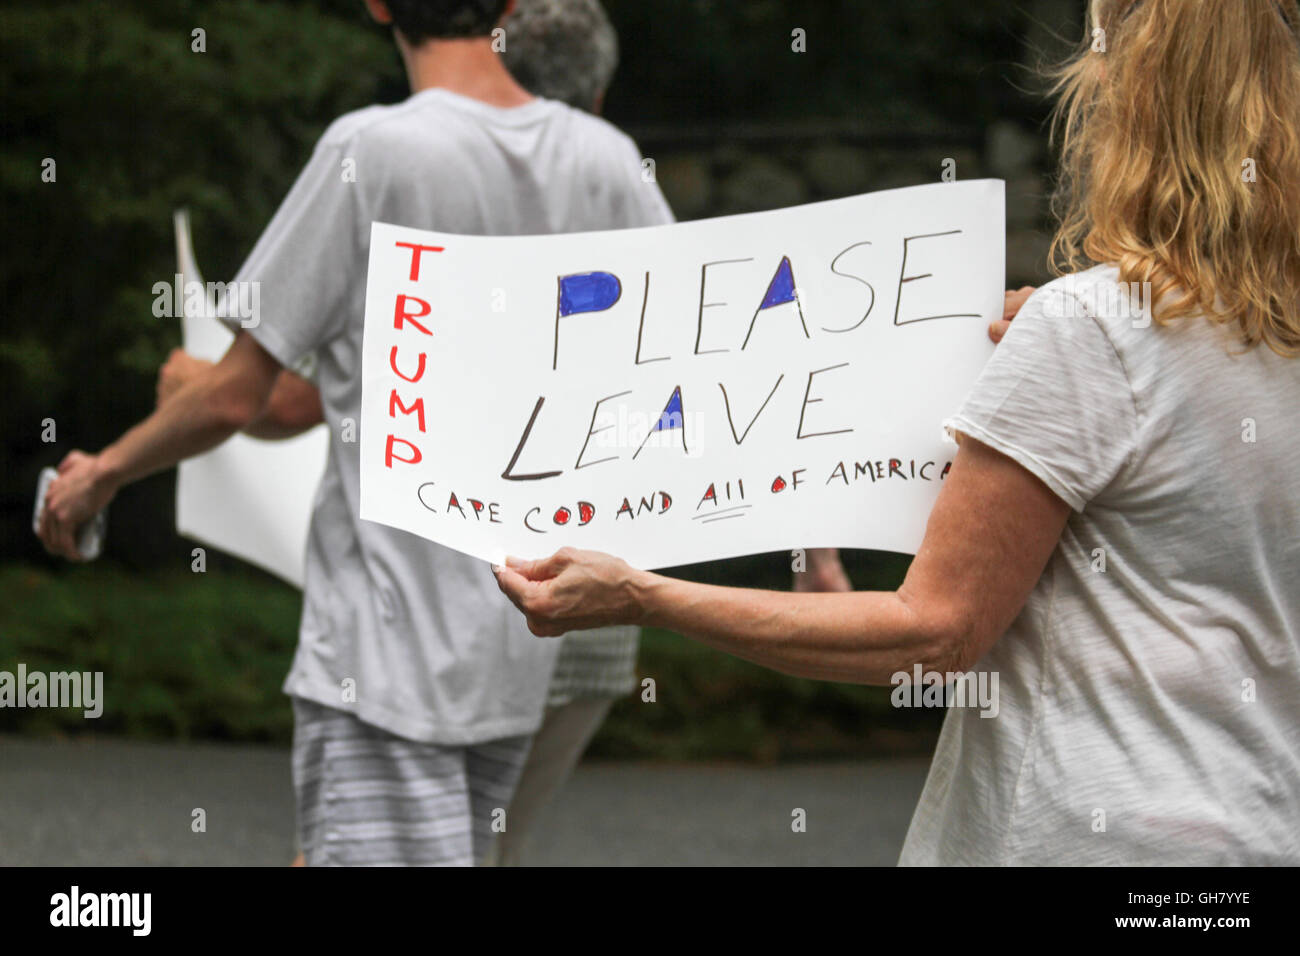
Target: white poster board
[[247, 497], [679, 393]]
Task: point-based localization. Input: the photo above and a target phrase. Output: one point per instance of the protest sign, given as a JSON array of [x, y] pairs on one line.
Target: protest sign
[[247, 497], [679, 393]]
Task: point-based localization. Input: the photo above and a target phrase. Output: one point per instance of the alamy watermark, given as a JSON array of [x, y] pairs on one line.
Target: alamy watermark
[[77, 908], [934, 689], [82, 690], [1124, 300], [635, 430], [240, 301]]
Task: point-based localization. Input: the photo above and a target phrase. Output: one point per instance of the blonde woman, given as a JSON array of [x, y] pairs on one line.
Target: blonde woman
[[1119, 538]]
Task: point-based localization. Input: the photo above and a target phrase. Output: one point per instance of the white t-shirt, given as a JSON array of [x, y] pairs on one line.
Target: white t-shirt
[[1149, 713], [410, 636]]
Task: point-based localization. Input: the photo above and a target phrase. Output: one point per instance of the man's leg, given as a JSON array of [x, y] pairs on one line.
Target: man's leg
[[369, 798], [493, 771], [557, 748]]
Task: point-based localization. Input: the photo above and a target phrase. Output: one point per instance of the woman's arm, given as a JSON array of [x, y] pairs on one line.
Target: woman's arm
[[990, 535]]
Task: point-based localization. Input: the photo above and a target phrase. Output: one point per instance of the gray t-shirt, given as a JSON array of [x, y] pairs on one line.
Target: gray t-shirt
[[410, 636], [1149, 692]]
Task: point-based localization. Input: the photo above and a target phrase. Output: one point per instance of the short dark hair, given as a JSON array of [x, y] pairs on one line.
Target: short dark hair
[[419, 20]]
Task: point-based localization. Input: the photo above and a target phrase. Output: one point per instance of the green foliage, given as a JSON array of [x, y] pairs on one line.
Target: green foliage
[[709, 705], [183, 655], [922, 64], [138, 125], [203, 656]]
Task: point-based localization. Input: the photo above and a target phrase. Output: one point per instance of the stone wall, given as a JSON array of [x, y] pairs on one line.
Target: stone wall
[[720, 172]]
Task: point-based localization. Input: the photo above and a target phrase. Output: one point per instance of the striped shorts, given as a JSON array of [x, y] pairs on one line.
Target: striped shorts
[[369, 798]]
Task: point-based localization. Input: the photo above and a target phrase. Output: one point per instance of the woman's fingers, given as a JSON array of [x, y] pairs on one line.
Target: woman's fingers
[[512, 584], [529, 598], [544, 569], [540, 628], [527, 595], [1012, 303], [570, 590]]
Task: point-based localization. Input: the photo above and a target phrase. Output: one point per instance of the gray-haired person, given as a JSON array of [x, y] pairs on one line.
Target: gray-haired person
[[563, 50], [566, 50]]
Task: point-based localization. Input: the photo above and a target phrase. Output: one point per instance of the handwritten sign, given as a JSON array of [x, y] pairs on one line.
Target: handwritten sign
[[679, 393]]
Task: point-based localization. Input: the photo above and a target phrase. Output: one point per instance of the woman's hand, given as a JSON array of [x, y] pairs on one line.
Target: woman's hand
[[1011, 304], [573, 590]]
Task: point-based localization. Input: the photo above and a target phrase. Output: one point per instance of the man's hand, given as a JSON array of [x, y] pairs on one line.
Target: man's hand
[[825, 572], [1011, 304], [218, 402], [77, 495], [179, 370]]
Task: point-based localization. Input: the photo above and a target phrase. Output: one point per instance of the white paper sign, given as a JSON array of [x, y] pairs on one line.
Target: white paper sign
[[679, 393], [247, 497]]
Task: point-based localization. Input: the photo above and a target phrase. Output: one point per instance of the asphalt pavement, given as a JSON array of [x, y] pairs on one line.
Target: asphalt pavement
[[108, 801]]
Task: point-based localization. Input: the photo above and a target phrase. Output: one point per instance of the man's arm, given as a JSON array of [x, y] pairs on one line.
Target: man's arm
[[201, 415], [293, 407]]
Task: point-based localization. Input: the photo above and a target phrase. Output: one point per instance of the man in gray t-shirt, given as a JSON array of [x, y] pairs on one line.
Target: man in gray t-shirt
[[415, 685]]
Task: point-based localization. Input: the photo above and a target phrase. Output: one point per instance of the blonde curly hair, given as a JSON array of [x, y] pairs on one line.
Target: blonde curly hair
[[1178, 124]]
